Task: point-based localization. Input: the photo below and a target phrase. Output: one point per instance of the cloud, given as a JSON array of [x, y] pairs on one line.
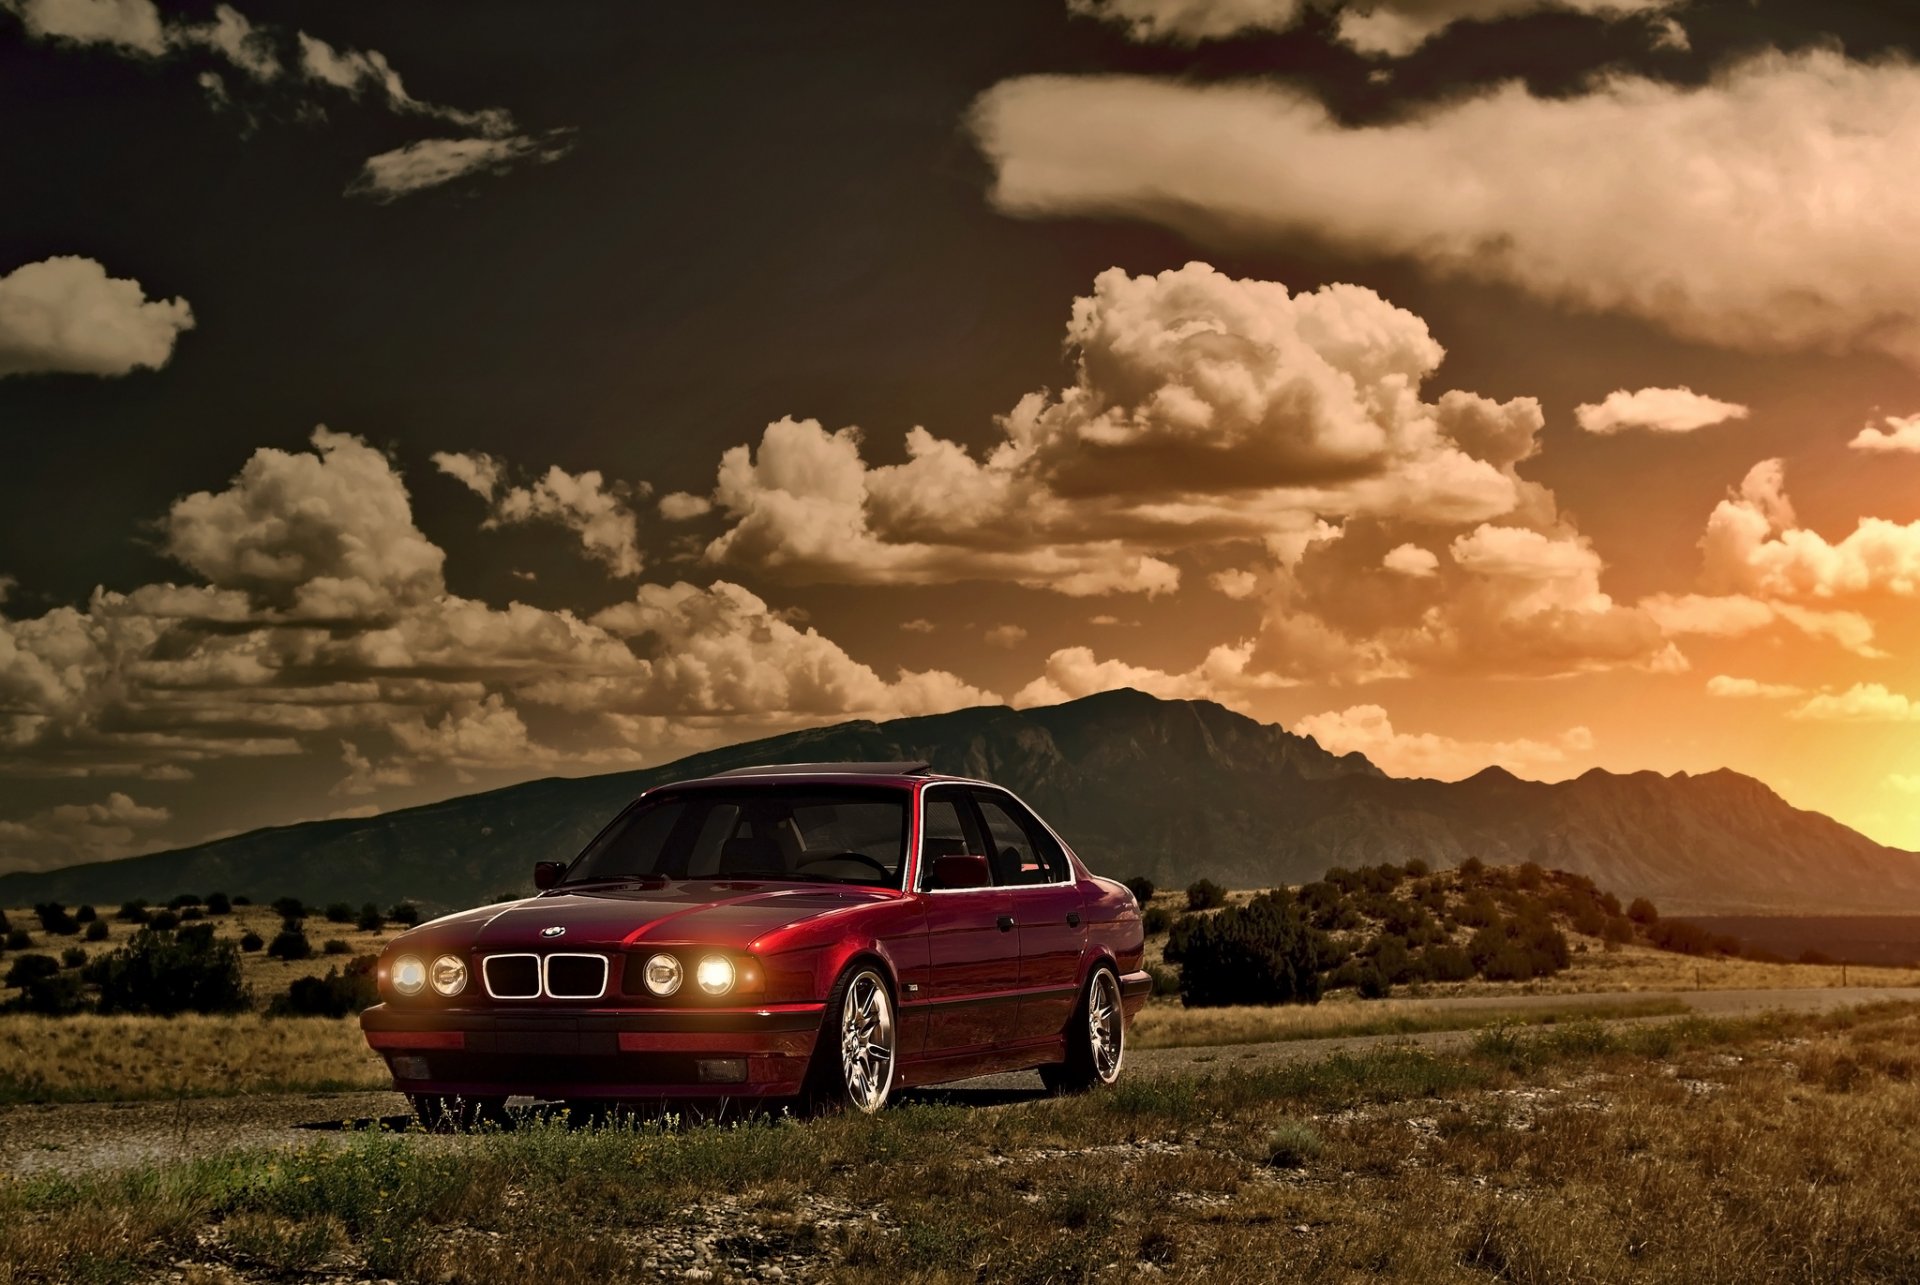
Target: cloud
[[434, 162], [65, 315], [1657, 410], [1008, 636], [1730, 688], [1394, 28], [1754, 544], [1411, 560], [132, 25], [1903, 782], [1737, 615], [1900, 436], [1701, 209], [1226, 676], [584, 503], [72, 832], [1367, 729], [918, 625], [681, 506], [1861, 703]]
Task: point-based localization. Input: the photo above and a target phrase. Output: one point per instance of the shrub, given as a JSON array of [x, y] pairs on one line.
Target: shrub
[[191, 913], [43, 987], [1157, 920], [252, 941], [1519, 949], [28, 969], [1418, 869], [290, 908], [338, 994], [132, 912], [1260, 953], [1142, 889], [1642, 911], [183, 900], [86, 915], [1619, 930], [1205, 894], [371, 920], [97, 930], [73, 957], [167, 973], [404, 912], [1684, 938], [334, 946], [1166, 981], [1473, 867], [339, 913], [163, 921], [1292, 1143], [55, 920], [1446, 963], [1531, 876], [1373, 983], [218, 903], [19, 939], [290, 943]]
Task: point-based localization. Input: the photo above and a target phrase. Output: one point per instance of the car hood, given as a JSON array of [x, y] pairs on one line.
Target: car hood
[[705, 912]]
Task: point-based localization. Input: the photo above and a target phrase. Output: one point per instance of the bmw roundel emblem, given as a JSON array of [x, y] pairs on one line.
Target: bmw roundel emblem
[[558, 930]]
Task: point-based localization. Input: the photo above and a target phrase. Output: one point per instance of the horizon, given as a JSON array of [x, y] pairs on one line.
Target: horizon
[[403, 403]]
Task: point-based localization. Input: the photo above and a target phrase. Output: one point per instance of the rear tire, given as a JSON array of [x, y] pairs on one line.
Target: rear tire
[[1096, 1038], [448, 1113], [854, 1059]]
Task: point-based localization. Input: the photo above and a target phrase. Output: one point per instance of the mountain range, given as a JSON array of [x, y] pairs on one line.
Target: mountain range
[[1174, 790]]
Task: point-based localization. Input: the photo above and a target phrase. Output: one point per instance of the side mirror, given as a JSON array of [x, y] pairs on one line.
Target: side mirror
[[547, 873], [962, 870]]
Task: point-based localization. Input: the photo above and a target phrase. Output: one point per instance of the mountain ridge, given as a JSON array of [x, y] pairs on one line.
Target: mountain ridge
[[1176, 790]]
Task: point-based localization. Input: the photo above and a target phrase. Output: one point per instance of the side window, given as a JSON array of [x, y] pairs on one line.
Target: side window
[[950, 830], [1022, 851]]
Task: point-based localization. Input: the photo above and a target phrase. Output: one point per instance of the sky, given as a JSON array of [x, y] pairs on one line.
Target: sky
[[403, 400]]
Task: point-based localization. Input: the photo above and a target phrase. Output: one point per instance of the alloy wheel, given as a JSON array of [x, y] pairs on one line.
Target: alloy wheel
[[866, 1042], [1106, 1026]]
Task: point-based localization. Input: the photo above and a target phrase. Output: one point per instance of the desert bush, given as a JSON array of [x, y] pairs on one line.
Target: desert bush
[[96, 931], [338, 994], [404, 912], [1445, 962], [28, 969], [1292, 1143], [1642, 911], [1205, 894], [55, 920], [73, 957], [192, 913], [242, 899], [1166, 981], [132, 912], [252, 941], [1261, 953], [340, 913], [371, 920], [1142, 889], [1417, 869], [163, 921], [1157, 920], [334, 946], [290, 943], [166, 973], [1519, 949], [86, 915], [289, 908], [19, 939], [181, 901], [218, 903]]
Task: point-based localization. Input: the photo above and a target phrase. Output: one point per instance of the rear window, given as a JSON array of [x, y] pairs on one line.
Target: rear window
[[824, 834]]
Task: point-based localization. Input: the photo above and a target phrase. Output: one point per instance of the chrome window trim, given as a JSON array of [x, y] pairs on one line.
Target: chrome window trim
[[920, 839], [539, 974], [546, 965]]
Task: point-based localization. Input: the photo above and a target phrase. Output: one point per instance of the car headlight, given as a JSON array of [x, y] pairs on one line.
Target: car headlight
[[715, 974], [663, 975], [409, 975], [449, 975]]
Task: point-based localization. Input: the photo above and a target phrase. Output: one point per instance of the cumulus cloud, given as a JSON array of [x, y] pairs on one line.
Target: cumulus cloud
[[131, 25], [1703, 209], [1226, 676], [1657, 410], [586, 504], [434, 162], [1367, 729], [1393, 28], [1861, 703], [1754, 544], [1411, 560], [1008, 636], [65, 315], [683, 506], [73, 832], [1737, 615], [1728, 687], [1899, 436]]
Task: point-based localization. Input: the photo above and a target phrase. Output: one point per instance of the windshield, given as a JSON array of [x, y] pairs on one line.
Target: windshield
[[833, 834]]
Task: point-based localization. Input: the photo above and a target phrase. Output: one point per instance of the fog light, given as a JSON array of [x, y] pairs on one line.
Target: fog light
[[449, 975], [721, 1070], [715, 975], [409, 975], [663, 975], [406, 1066]]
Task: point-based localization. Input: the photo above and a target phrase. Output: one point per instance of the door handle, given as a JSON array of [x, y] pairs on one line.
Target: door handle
[[1006, 923], [1073, 919]]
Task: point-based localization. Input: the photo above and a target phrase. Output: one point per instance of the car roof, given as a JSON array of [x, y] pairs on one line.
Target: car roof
[[903, 774]]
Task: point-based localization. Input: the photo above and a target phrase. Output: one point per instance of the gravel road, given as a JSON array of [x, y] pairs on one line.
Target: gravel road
[[89, 1137]]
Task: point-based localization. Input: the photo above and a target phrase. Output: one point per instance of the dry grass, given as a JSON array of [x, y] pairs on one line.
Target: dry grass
[[111, 1059], [1773, 1150], [1164, 1024]]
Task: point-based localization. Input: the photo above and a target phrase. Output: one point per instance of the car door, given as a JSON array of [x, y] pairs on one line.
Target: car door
[[973, 950], [1046, 912]]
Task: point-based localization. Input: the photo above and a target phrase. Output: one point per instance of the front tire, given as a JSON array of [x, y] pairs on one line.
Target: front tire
[[853, 1064], [1096, 1038]]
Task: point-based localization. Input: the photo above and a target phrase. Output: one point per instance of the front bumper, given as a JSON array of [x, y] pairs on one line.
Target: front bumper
[[597, 1053]]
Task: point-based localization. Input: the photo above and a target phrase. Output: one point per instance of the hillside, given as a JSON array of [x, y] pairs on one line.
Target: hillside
[[1175, 790]]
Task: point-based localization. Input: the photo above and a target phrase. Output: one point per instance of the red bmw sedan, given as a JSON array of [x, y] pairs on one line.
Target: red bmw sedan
[[830, 932]]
